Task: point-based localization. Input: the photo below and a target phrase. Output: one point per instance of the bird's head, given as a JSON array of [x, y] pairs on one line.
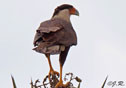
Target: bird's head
[[65, 11]]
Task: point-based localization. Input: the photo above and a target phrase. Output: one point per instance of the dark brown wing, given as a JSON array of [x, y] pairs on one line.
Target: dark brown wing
[[54, 32], [57, 31], [49, 31]]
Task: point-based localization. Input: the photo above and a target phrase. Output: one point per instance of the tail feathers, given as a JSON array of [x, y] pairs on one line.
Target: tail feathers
[[49, 50]]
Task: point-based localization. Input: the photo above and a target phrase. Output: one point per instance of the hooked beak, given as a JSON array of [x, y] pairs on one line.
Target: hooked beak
[[76, 13]]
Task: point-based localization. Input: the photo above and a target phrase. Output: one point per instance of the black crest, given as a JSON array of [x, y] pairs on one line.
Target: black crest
[[61, 7]]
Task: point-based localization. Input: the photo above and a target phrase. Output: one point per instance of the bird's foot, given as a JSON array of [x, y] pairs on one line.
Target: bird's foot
[[52, 73], [61, 85]]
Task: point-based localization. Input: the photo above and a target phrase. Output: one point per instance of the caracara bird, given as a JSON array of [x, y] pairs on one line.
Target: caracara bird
[[56, 36]]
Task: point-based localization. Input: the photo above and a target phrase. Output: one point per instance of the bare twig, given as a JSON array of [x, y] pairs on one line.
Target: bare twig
[[54, 80], [104, 82], [13, 81]]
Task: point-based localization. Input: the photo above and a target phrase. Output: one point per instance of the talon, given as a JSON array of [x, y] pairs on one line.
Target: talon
[[61, 85], [52, 72]]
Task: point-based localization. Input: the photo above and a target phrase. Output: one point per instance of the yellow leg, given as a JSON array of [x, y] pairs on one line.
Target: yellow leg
[[51, 72], [60, 83]]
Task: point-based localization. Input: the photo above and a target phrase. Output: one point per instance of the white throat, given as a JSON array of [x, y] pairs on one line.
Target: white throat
[[64, 14]]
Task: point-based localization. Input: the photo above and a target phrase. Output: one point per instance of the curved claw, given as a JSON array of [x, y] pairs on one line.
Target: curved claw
[[61, 85], [52, 72]]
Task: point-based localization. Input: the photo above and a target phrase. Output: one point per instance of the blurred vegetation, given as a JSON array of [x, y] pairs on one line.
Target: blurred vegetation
[[54, 79], [69, 77]]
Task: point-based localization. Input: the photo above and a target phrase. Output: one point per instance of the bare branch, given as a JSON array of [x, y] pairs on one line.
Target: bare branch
[[104, 82], [13, 81], [54, 80]]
